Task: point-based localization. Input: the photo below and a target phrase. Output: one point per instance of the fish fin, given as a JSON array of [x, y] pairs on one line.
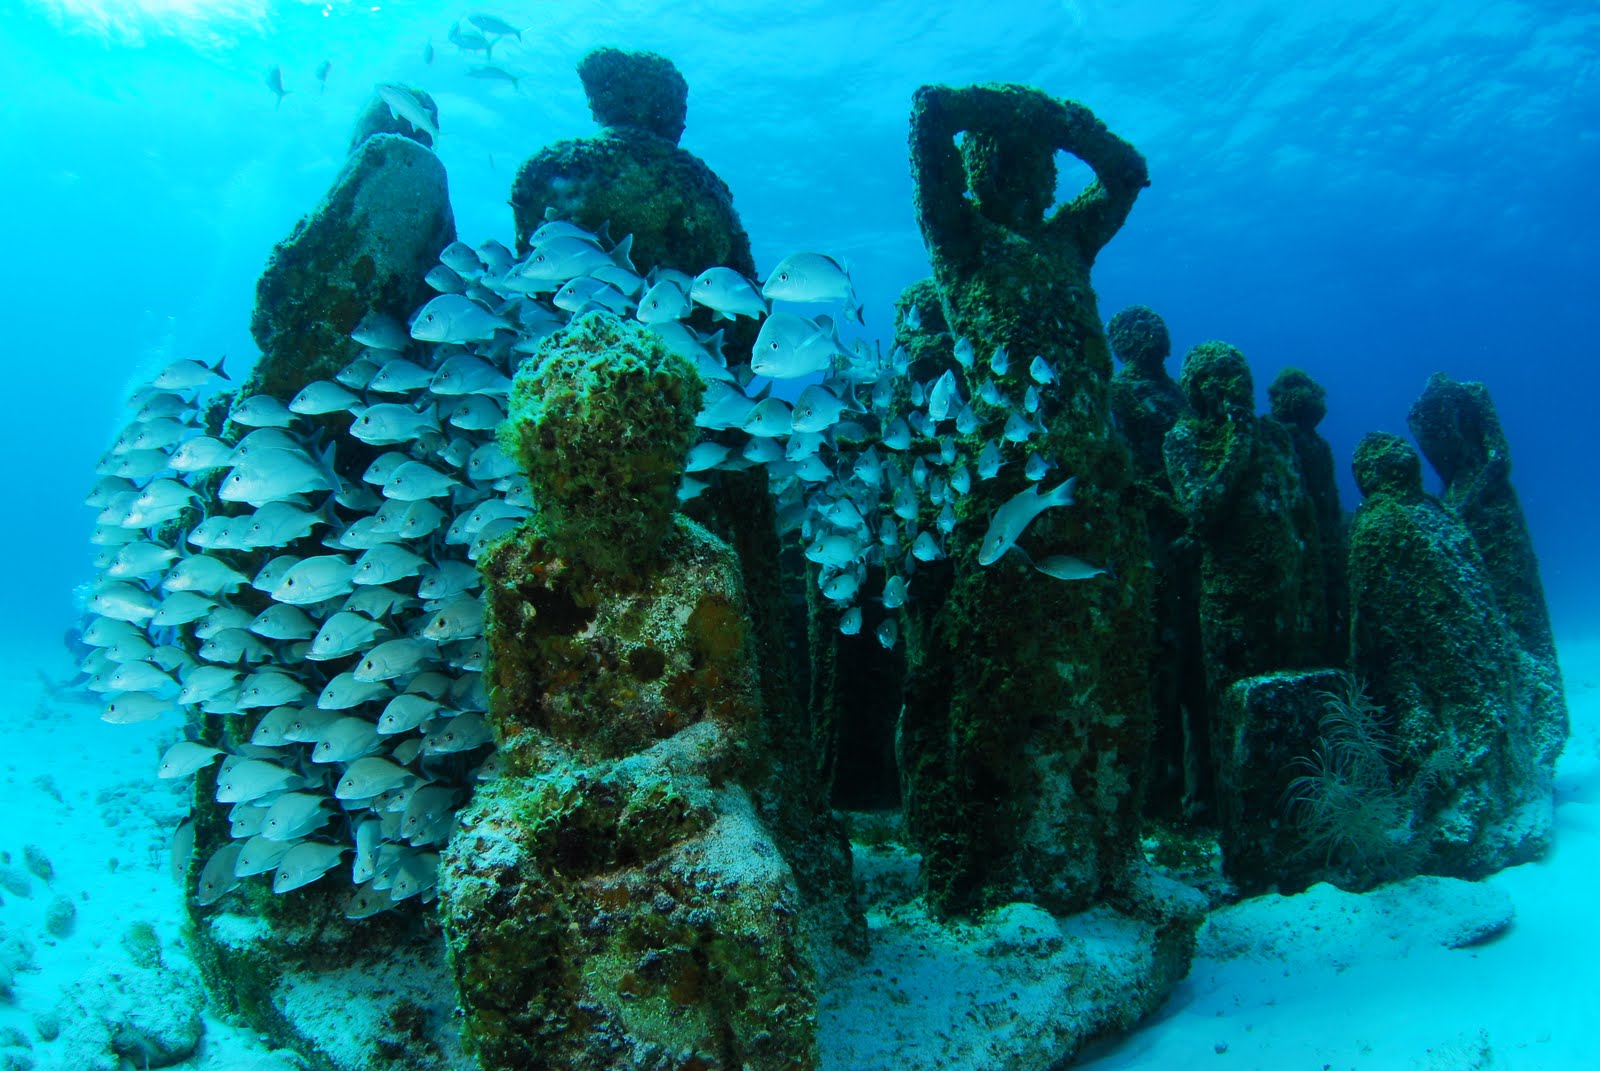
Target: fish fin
[[325, 467], [1061, 494], [621, 254], [217, 368]]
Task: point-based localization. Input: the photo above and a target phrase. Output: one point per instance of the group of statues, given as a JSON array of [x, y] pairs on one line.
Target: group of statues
[[1430, 607], [658, 879]]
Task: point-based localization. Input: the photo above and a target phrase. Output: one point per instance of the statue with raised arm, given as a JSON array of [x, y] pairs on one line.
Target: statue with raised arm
[[1027, 710]]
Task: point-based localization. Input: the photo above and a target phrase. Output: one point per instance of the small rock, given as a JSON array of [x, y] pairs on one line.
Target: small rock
[[15, 881], [39, 863], [60, 917], [47, 1024]]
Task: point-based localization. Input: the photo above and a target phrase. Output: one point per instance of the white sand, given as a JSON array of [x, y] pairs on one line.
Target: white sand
[[1347, 985]]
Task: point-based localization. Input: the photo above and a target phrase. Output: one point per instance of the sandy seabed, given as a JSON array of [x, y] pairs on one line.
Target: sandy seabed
[[1326, 982]]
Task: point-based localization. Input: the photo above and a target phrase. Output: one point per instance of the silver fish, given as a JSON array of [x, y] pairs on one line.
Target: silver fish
[[455, 318], [1016, 514], [445, 280], [217, 878], [406, 712], [278, 524], [462, 259], [989, 460], [200, 454], [963, 352], [460, 733], [139, 677], [133, 707], [139, 559], [416, 873], [810, 277], [662, 303], [726, 291], [789, 346], [314, 580], [447, 578], [389, 423], [577, 295], [414, 480], [259, 855], [344, 633], [293, 815], [250, 779], [1068, 567], [943, 396], [769, 417], [346, 739], [400, 376], [270, 730], [495, 25], [270, 575], [321, 397], [206, 682], [188, 374], [403, 104], [489, 462], [275, 83], [818, 409], [122, 601], [261, 411], [465, 374], [358, 373], [233, 646], [270, 688], [460, 618], [385, 564], [345, 691], [368, 776], [477, 413], [850, 621], [394, 658], [205, 575], [304, 863], [274, 475]]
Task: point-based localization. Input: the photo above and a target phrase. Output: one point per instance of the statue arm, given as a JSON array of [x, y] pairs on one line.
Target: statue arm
[[1097, 213], [949, 221]]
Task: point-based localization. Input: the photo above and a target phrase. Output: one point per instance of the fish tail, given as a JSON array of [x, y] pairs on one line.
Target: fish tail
[[1061, 494]]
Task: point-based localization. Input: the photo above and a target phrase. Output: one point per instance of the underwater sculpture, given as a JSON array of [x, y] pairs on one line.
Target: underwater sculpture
[[1297, 403], [1460, 729], [635, 180], [646, 873], [1234, 477], [1147, 402], [1026, 711], [386, 213], [1459, 432], [614, 899]]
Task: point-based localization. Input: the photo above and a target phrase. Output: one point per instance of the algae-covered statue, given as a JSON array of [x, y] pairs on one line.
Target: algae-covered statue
[[1147, 402], [614, 898], [1027, 708]]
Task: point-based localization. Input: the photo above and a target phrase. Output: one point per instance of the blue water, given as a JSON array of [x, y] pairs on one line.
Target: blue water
[[1370, 191]]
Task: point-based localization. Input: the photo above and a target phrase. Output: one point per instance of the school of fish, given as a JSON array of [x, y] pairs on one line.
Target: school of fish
[[241, 575]]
